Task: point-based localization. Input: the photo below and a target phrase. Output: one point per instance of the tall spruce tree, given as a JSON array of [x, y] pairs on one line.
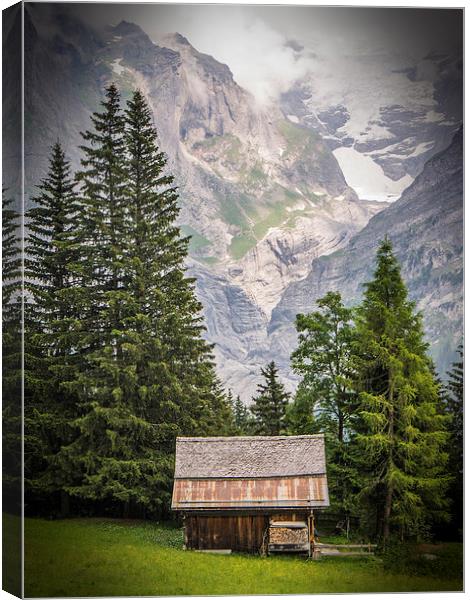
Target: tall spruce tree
[[11, 357], [104, 459], [324, 360], [50, 252], [148, 373], [181, 386], [11, 257], [270, 404], [403, 434]]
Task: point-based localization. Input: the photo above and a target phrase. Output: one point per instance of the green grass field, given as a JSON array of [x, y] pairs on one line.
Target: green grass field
[[93, 557]]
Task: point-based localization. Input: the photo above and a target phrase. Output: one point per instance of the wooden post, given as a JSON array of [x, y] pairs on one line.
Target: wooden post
[[185, 532], [311, 532]]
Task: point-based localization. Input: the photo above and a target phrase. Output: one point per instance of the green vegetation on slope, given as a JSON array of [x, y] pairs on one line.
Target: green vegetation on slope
[[197, 241], [255, 220], [227, 144], [260, 204], [233, 210], [275, 217], [241, 244], [298, 138], [91, 557]]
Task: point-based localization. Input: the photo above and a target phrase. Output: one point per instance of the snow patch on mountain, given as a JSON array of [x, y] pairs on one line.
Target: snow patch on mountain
[[383, 115], [367, 178]]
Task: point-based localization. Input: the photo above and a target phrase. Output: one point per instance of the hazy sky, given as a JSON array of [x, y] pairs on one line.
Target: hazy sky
[[408, 29], [252, 39]]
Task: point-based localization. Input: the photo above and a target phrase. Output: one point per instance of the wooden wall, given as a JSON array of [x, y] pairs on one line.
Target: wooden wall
[[239, 533], [290, 516]]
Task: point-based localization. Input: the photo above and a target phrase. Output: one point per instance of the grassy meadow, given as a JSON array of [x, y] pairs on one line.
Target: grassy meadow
[[99, 557]]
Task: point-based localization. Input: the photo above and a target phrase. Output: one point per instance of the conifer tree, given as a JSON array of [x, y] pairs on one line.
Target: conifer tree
[[219, 417], [241, 417], [48, 246], [403, 434], [11, 256], [11, 297], [167, 313], [98, 463], [148, 374], [324, 360], [454, 401], [50, 252], [269, 406], [11, 357]]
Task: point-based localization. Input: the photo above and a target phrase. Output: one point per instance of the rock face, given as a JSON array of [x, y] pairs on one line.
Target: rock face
[[408, 114], [262, 193], [238, 297], [426, 229]]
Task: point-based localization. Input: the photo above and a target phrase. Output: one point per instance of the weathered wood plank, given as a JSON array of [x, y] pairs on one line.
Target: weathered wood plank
[[240, 533], [341, 554], [321, 545]]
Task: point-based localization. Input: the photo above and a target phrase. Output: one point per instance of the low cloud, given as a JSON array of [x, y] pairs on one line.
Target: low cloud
[[262, 60]]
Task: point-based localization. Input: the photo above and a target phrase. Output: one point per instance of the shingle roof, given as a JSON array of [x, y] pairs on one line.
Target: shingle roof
[[249, 457]]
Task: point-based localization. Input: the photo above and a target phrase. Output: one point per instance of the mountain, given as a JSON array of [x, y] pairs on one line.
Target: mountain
[[263, 192], [426, 229], [385, 118], [261, 196]]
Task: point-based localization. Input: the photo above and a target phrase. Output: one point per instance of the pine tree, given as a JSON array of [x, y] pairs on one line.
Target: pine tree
[[241, 417], [324, 360], [167, 313], [98, 463], [11, 256], [50, 252], [269, 406], [455, 404], [148, 374], [219, 417], [11, 357], [402, 433], [454, 401]]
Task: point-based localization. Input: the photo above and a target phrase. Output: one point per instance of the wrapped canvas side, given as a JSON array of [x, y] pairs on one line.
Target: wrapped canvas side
[[12, 300]]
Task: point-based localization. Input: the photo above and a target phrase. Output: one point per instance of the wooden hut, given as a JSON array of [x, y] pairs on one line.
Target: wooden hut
[[250, 494]]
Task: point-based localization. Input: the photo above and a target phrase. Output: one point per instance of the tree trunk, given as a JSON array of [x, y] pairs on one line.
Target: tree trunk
[[340, 426], [64, 504], [387, 512]]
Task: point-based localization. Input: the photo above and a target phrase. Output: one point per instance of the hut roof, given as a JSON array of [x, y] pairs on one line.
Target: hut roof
[[249, 457]]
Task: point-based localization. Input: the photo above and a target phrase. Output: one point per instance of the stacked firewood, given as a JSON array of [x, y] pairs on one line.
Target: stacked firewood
[[286, 535]]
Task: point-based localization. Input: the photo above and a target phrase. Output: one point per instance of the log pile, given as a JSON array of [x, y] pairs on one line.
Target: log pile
[[287, 535]]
